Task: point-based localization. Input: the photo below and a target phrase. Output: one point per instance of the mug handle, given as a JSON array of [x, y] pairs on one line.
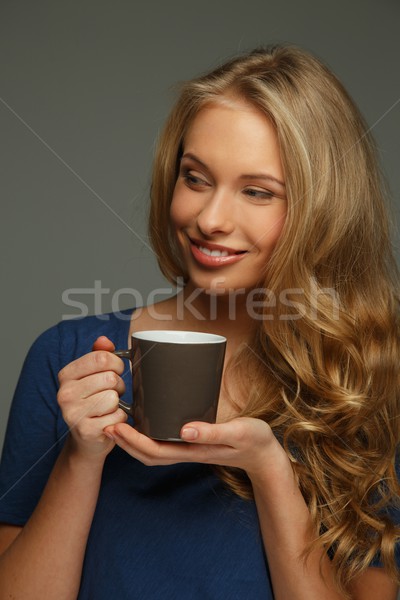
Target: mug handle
[[123, 353], [127, 408]]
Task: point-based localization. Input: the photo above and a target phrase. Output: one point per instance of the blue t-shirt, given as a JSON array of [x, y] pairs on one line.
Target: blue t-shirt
[[169, 532]]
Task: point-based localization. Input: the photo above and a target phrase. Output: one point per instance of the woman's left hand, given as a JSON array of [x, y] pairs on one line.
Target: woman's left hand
[[243, 442]]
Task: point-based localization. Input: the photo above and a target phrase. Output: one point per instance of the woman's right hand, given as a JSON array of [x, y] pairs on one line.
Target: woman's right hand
[[88, 396]]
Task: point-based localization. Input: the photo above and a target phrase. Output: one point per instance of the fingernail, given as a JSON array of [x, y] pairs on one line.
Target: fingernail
[[189, 433], [109, 435]]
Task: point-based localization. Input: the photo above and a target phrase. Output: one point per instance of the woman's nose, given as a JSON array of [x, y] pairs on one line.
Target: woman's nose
[[216, 216]]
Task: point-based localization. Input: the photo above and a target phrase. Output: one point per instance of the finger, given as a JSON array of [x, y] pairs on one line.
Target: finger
[[235, 433], [115, 418], [98, 405], [93, 362], [153, 452], [73, 393], [101, 404], [148, 451], [90, 428], [103, 343], [93, 384], [211, 433]]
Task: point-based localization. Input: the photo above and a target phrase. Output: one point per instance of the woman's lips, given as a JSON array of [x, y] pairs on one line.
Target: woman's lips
[[214, 255]]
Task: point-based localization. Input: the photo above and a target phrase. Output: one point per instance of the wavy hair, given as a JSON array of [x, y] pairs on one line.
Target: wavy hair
[[324, 363]]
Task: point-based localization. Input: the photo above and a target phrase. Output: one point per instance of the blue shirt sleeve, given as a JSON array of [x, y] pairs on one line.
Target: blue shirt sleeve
[[35, 432]]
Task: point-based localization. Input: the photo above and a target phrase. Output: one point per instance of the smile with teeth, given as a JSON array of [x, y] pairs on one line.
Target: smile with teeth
[[215, 257], [213, 252]]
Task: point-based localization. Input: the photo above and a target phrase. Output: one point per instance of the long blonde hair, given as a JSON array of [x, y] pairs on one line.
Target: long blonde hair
[[324, 362]]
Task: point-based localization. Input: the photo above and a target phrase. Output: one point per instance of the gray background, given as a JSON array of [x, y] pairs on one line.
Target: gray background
[[85, 87]]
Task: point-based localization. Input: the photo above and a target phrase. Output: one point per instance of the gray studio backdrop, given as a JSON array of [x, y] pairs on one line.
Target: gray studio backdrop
[[85, 87]]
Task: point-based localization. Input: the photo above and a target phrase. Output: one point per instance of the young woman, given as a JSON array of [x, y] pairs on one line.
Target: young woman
[[267, 200]]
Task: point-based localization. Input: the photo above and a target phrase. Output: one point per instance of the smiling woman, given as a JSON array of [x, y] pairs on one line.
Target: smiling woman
[[324, 356], [265, 187]]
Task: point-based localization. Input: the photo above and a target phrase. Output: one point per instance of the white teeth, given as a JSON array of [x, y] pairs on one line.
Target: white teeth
[[213, 252]]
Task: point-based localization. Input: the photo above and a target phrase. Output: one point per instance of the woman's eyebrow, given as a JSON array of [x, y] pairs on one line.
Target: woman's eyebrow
[[264, 176], [193, 157]]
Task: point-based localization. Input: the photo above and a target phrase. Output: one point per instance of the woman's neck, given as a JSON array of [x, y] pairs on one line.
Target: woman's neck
[[225, 315], [196, 310]]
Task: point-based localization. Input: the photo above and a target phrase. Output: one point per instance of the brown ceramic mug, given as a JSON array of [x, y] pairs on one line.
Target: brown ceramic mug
[[176, 378]]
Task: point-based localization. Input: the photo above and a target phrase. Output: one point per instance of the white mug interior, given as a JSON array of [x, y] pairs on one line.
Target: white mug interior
[[179, 337]]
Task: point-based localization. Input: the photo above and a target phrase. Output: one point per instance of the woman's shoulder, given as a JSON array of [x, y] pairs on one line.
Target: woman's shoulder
[[109, 324], [71, 338]]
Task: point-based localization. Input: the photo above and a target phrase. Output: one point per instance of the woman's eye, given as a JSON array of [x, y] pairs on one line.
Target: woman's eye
[[259, 194], [193, 180]]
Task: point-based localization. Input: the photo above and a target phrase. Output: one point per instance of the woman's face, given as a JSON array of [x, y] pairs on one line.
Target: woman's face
[[229, 203]]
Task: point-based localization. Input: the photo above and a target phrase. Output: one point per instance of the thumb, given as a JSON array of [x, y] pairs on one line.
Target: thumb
[[103, 343]]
